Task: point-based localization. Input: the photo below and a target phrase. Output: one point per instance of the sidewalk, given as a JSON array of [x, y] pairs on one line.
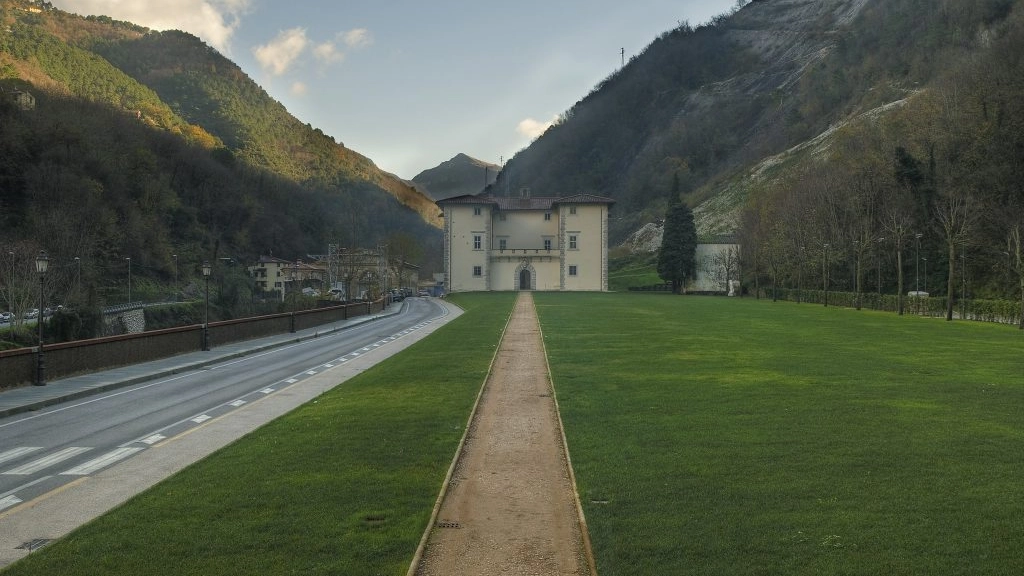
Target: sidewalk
[[510, 505], [29, 398]]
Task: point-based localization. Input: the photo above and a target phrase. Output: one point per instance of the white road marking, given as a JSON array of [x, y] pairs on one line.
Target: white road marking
[[101, 462], [291, 381], [311, 373], [9, 501], [201, 419], [153, 439], [267, 391], [237, 403], [46, 462], [328, 365], [17, 452]]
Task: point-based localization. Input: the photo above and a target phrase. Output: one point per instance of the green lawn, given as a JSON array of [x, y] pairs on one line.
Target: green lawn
[[725, 436], [708, 436], [343, 485]]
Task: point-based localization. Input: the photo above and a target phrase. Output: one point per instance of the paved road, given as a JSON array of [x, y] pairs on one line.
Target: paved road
[[73, 449]]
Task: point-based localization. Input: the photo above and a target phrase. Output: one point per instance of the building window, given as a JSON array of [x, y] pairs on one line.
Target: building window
[[572, 242], [501, 217], [477, 242], [478, 271], [547, 243], [476, 211], [502, 244], [572, 270], [572, 209], [547, 216]]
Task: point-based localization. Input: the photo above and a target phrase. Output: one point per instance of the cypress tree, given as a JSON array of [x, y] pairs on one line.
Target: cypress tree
[[677, 256]]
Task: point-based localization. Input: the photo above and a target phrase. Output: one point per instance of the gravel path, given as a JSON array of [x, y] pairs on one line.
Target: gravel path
[[510, 507]]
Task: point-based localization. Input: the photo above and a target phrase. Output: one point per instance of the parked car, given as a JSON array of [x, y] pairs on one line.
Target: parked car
[[6, 317], [424, 292], [33, 313]]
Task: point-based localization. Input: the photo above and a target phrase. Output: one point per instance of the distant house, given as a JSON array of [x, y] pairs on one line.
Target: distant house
[[22, 99], [526, 243], [282, 276], [717, 266]]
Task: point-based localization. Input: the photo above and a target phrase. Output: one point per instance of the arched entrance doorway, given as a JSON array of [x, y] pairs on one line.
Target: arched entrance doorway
[[524, 279]]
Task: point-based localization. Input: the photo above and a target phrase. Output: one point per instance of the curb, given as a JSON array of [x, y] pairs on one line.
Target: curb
[[40, 404]]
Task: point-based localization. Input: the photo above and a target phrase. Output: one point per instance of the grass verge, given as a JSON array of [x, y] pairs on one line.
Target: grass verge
[[725, 436], [343, 485]]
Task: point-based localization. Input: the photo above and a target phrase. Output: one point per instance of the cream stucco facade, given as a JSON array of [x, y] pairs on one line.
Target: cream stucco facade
[[524, 243]]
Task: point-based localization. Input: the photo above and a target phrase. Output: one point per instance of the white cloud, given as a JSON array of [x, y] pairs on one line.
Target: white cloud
[[215, 21], [328, 53], [534, 128], [299, 88], [357, 38], [279, 54]]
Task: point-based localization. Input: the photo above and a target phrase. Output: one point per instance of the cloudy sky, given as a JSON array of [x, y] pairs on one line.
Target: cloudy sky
[[411, 84]]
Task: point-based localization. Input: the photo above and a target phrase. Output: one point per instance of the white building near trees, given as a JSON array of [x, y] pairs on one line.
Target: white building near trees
[[526, 243]]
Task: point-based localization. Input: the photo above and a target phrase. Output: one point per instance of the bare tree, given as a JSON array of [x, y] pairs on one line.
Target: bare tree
[[957, 221], [722, 267], [896, 223]]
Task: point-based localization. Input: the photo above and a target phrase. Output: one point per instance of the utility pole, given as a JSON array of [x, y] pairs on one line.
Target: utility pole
[[622, 52]]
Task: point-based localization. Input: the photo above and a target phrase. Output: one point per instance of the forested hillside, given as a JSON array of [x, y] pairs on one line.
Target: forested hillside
[[760, 110], [459, 176], [147, 145]]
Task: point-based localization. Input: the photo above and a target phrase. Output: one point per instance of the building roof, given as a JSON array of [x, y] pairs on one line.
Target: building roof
[[584, 199], [273, 260], [528, 203]]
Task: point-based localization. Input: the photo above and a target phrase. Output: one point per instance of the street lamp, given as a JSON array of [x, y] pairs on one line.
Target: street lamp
[[878, 263], [175, 256], [129, 281], [824, 274], [917, 262], [963, 285], [925, 273], [206, 317], [78, 278], [42, 264], [800, 275]]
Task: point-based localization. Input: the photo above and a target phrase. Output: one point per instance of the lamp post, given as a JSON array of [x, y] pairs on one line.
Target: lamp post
[[206, 316], [42, 264], [878, 263], [963, 283], [925, 259], [800, 275], [78, 278], [129, 281], [917, 262], [175, 256], [824, 274]]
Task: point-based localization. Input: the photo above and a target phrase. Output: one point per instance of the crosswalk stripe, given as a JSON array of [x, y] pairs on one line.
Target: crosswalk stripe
[[18, 452], [46, 462], [101, 462], [154, 439], [9, 501]]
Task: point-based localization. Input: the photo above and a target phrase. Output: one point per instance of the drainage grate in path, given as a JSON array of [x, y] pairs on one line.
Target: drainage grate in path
[[446, 524], [34, 544]]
